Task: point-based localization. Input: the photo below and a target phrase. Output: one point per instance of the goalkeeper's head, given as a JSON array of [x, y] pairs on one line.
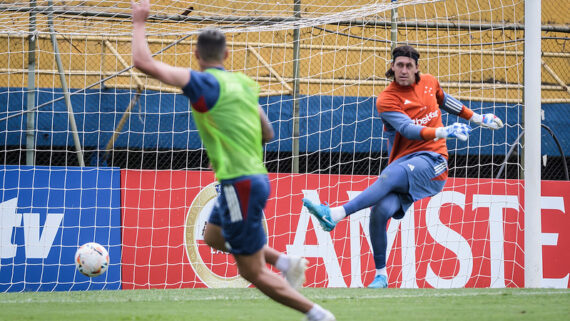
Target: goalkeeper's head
[[411, 57], [211, 49]]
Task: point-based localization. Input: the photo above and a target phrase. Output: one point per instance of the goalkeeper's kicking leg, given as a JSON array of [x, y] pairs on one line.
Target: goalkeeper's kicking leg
[[394, 179], [403, 182]]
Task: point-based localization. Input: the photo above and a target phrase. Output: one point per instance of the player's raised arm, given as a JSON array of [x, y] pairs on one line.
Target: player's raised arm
[[142, 57], [453, 106]]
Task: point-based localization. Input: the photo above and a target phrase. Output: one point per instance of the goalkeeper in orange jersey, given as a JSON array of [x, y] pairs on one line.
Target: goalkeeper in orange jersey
[[233, 128], [410, 109]]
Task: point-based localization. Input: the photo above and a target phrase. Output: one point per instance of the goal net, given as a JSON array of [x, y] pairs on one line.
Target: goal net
[[95, 151]]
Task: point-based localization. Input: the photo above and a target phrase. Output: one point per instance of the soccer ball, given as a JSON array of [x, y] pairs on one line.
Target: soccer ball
[[91, 259]]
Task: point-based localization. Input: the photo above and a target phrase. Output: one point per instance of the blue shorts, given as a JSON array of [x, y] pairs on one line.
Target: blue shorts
[[239, 211], [422, 168]]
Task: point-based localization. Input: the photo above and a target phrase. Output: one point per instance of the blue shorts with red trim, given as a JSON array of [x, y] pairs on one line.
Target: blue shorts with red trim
[[239, 211]]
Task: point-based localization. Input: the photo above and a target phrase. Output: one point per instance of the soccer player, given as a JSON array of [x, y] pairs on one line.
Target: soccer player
[[233, 128], [410, 109]]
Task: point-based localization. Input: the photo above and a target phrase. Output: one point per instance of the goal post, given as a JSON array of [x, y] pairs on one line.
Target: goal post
[[146, 187], [532, 151]]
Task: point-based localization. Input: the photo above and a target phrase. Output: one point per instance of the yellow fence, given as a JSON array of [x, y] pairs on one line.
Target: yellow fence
[[476, 49]]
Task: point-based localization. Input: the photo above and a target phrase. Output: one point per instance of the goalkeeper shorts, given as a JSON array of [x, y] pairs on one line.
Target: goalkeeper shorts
[[424, 171]]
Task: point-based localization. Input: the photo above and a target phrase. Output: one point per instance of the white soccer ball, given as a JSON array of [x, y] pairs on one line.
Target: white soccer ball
[[92, 259]]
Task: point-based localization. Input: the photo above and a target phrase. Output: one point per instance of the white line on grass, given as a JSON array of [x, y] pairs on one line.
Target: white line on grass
[[433, 293], [251, 294]]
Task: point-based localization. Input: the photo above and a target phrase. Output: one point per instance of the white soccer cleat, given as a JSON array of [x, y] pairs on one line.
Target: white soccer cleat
[[295, 275], [328, 316]]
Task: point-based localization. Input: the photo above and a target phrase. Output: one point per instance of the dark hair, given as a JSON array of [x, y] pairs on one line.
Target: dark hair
[[211, 45], [404, 51]]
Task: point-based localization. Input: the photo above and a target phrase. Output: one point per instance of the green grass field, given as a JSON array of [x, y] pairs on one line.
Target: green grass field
[[250, 304]]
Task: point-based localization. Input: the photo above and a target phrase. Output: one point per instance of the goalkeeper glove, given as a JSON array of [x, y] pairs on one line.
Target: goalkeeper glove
[[487, 120], [457, 130]]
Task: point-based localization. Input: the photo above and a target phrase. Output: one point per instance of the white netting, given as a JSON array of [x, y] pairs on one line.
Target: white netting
[[112, 18]]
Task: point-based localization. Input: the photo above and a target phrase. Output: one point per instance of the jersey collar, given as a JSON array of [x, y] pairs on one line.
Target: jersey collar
[[219, 68]]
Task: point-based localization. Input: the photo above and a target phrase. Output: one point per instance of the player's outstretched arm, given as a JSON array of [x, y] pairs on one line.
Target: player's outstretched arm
[[454, 106], [487, 120], [404, 125], [142, 58]]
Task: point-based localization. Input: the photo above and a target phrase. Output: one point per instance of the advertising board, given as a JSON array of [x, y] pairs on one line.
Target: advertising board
[[45, 214], [469, 235]]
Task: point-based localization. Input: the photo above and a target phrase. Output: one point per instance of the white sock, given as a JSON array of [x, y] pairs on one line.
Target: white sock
[[381, 271], [282, 263], [316, 313], [338, 213]]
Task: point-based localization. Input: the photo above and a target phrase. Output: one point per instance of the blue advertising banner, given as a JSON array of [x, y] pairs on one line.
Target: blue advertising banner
[[46, 213], [161, 121]]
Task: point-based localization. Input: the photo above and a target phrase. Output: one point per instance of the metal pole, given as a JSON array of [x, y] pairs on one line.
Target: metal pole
[[515, 144], [30, 117], [532, 140], [296, 49], [71, 116], [394, 27]]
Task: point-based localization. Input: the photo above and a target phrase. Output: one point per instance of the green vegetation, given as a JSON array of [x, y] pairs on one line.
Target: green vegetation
[[250, 304]]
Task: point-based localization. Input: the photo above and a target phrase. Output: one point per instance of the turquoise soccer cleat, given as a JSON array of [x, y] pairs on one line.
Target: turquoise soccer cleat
[[379, 282], [322, 213]]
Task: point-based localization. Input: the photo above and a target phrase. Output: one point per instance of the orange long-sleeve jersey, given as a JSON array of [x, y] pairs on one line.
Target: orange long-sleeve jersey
[[421, 102]]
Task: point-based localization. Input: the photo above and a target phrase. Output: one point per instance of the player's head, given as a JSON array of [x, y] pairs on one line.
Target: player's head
[[404, 68], [211, 48]]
